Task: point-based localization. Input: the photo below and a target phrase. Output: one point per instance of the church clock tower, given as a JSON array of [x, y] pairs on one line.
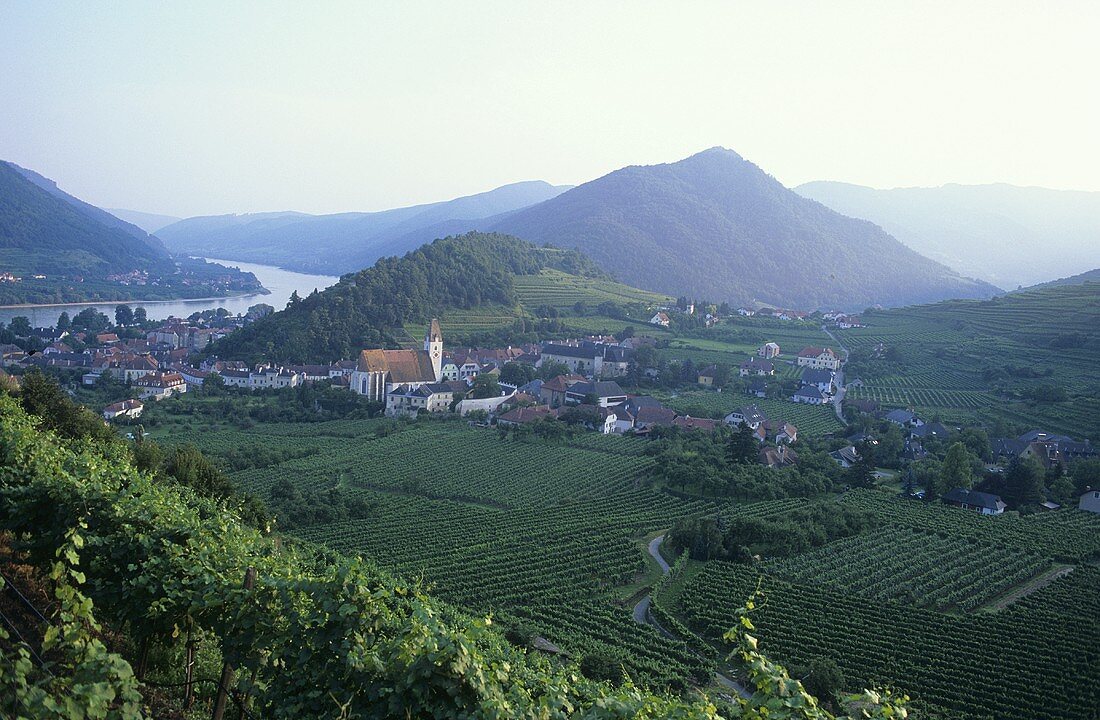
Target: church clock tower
[[433, 345]]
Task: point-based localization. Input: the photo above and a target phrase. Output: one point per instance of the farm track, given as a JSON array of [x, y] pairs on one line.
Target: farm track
[[1033, 585], [642, 615]]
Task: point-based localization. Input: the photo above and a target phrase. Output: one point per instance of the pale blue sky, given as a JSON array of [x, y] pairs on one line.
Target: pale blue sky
[[195, 108]]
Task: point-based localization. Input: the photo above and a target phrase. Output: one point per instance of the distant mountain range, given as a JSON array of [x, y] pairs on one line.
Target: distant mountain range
[[716, 226], [57, 248], [346, 242], [1006, 235], [149, 222]]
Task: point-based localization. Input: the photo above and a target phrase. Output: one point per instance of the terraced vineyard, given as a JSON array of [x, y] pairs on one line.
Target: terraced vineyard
[[1032, 661], [537, 534], [919, 568], [980, 359], [558, 289], [1070, 535]]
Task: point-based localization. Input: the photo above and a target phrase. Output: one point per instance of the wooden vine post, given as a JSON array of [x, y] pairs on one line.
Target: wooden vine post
[[227, 669]]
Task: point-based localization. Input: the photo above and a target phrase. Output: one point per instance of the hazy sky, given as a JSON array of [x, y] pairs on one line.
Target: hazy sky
[[193, 108]]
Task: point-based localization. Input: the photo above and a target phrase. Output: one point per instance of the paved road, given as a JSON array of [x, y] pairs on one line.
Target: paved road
[[641, 615]]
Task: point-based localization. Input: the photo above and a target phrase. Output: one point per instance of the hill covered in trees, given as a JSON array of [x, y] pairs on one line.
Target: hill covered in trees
[[43, 230], [58, 248], [345, 242], [473, 274], [1006, 235], [714, 225]]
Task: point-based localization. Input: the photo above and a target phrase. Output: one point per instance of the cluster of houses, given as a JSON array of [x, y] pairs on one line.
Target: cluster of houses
[[661, 318], [817, 383]]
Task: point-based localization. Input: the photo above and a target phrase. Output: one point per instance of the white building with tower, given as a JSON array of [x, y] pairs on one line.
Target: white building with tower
[[378, 372]]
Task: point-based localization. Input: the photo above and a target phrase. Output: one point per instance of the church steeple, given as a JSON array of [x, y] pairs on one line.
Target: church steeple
[[433, 345]]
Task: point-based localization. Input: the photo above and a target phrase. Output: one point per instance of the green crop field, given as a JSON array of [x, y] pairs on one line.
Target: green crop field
[[982, 361], [1033, 660], [558, 289], [917, 567], [903, 605], [811, 420], [540, 535]]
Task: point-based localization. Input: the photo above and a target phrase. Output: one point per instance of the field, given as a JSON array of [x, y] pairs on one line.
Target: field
[[982, 361], [1034, 660], [920, 568], [903, 605], [811, 420], [540, 535], [560, 290]]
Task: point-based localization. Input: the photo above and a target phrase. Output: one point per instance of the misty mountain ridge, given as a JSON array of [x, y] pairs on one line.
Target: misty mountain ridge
[[716, 226], [1005, 234], [47, 231], [346, 242], [149, 222]]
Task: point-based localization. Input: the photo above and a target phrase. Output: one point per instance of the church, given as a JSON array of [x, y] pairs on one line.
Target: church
[[378, 372]]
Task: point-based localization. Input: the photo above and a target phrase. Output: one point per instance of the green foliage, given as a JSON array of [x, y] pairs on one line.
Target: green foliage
[[370, 308], [321, 639], [485, 386], [779, 534], [40, 396], [720, 463]]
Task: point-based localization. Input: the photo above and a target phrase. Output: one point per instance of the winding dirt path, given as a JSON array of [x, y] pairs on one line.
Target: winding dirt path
[[643, 617]]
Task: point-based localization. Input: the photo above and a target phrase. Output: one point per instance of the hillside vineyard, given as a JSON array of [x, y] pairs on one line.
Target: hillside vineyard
[[494, 479]]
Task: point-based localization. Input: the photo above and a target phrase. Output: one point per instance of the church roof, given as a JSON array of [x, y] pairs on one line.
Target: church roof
[[404, 366]]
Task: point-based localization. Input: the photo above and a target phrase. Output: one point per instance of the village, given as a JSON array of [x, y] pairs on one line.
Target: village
[[576, 382]]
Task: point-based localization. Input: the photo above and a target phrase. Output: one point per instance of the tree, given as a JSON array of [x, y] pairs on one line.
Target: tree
[[1024, 481], [63, 321], [742, 447], [140, 316], [124, 316], [976, 441], [956, 472], [485, 386], [626, 332], [552, 369], [823, 679], [862, 473], [20, 325], [517, 374]]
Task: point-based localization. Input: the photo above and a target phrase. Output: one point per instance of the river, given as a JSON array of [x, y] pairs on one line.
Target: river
[[280, 282]]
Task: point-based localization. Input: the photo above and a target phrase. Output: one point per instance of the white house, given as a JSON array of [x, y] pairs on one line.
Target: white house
[[661, 319], [409, 401], [1090, 501], [126, 408], [489, 405], [808, 395], [750, 415], [983, 503], [815, 357]]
